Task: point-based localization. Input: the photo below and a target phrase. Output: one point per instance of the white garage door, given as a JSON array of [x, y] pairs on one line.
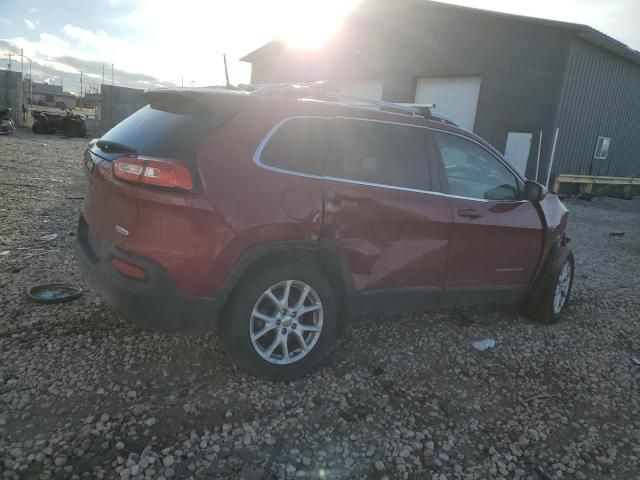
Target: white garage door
[[455, 97]]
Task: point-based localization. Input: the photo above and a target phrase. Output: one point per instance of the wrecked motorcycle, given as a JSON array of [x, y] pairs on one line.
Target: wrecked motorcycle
[[71, 124], [6, 123]]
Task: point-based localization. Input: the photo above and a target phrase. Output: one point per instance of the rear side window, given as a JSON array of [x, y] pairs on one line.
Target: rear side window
[[382, 153], [159, 133], [299, 145]]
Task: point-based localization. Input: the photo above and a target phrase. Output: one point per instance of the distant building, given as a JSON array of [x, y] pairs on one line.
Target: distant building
[[514, 80], [46, 95]]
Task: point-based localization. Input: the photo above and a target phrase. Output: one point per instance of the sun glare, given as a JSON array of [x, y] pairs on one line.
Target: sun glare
[[311, 24]]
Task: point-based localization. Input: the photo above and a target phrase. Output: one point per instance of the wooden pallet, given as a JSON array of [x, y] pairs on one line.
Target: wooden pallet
[[587, 182]]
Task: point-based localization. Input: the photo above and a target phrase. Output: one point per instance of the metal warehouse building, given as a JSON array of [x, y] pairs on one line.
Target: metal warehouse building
[[516, 81]]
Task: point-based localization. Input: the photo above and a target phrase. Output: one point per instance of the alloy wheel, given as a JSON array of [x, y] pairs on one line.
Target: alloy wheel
[[286, 322], [562, 287]]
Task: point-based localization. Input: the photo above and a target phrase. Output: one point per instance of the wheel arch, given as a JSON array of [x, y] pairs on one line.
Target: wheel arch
[[323, 256]]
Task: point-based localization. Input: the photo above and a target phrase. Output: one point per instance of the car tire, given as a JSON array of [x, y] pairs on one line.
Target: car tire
[[552, 291], [243, 326]]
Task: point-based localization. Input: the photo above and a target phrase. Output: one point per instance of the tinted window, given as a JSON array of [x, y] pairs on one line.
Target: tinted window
[[378, 152], [159, 133], [299, 144], [473, 172]]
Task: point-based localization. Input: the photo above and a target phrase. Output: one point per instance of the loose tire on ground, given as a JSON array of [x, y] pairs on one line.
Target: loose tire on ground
[[539, 304], [242, 325]]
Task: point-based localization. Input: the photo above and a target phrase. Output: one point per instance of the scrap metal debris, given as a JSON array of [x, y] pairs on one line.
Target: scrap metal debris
[[53, 293], [484, 344]]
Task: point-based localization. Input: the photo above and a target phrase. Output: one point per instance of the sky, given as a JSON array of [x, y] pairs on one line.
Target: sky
[[167, 42]]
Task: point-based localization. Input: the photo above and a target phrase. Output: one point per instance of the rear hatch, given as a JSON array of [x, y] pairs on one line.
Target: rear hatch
[[169, 130]]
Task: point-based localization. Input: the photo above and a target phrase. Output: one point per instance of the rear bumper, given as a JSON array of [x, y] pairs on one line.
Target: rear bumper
[[155, 303]]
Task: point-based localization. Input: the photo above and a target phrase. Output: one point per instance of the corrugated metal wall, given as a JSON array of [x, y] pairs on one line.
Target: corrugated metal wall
[[601, 97], [521, 64]]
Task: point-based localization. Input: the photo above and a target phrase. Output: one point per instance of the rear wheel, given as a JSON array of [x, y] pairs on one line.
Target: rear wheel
[[74, 130], [547, 300], [281, 322], [39, 128]]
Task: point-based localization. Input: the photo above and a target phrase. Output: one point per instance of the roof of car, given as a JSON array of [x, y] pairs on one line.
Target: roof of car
[[300, 105]]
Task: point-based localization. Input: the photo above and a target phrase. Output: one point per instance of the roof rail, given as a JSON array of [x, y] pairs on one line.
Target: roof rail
[[371, 101], [318, 90], [442, 119]]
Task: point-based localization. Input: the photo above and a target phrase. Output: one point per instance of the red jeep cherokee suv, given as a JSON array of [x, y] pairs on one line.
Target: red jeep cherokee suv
[[276, 217]]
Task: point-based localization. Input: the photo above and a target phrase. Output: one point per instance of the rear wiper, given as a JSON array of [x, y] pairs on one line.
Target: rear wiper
[[115, 147]]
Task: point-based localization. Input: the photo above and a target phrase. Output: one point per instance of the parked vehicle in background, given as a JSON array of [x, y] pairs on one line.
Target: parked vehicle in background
[[70, 123], [6, 123], [61, 105], [277, 217]]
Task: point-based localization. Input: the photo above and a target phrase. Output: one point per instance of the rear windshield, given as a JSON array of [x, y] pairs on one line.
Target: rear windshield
[[159, 133]]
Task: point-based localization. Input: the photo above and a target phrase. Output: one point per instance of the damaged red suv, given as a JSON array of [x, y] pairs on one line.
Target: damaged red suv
[[277, 216]]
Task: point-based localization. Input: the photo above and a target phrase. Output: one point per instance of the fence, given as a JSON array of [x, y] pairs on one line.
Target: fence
[[116, 104], [10, 93]]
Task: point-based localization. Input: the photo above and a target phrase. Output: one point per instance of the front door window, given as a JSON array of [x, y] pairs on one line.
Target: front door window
[[473, 172]]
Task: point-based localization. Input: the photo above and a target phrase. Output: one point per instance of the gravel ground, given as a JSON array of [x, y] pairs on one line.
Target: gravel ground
[[84, 394]]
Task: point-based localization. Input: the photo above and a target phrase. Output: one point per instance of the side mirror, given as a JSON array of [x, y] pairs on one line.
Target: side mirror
[[533, 191]]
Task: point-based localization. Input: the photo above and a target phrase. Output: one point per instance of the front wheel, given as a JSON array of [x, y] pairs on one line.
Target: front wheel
[[549, 297], [281, 322]]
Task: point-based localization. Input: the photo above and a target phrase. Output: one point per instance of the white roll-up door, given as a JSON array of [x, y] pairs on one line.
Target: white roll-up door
[[455, 97]]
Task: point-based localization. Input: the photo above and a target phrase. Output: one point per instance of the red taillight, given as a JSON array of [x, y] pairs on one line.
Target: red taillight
[[129, 270], [157, 173]]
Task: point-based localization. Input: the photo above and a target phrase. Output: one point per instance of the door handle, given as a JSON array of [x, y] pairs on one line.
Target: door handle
[[469, 213], [337, 201], [342, 203]]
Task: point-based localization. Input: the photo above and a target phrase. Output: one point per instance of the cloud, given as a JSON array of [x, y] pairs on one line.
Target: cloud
[[94, 69], [31, 25], [52, 59], [98, 39]]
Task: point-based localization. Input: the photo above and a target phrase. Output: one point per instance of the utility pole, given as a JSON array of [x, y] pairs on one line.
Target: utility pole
[[22, 116], [102, 74], [112, 74], [30, 84], [80, 89], [182, 81]]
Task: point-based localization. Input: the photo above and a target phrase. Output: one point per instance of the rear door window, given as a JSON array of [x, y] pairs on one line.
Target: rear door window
[[380, 153], [298, 145]]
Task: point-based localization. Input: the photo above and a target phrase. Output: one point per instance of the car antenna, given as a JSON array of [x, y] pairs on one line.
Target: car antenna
[[226, 71]]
